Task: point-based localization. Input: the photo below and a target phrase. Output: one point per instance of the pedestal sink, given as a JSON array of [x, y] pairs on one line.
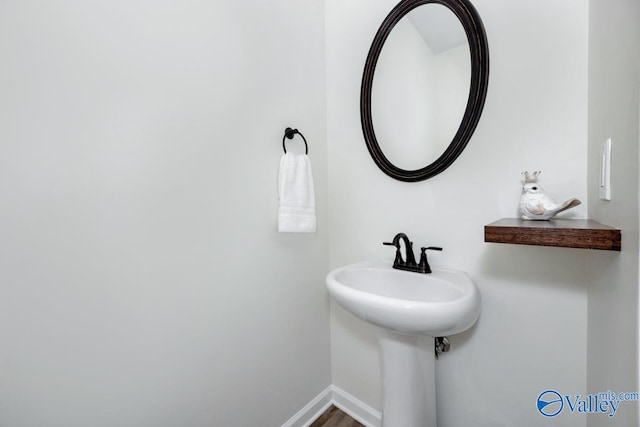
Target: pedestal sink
[[412, 308]]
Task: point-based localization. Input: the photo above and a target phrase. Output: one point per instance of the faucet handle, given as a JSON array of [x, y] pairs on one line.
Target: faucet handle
[[398, 260], [424, 264]]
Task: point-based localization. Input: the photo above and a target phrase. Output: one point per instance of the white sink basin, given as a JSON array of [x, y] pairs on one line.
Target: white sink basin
[[444, 302]]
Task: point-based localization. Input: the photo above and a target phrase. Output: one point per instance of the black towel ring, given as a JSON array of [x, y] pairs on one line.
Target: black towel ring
[[290, 133]]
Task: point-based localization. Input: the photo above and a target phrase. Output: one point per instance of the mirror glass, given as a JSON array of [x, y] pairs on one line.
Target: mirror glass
[[421, 86]]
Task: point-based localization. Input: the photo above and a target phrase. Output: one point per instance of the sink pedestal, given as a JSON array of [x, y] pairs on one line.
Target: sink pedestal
[[408, 380]]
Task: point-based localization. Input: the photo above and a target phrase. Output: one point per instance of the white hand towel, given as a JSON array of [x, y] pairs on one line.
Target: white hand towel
[[297, 206]]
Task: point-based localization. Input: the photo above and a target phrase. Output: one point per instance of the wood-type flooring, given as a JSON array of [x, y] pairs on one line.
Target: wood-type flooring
[[334, 417]]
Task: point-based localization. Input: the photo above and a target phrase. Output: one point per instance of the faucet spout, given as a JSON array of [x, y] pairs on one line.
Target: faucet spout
[[408, 247]]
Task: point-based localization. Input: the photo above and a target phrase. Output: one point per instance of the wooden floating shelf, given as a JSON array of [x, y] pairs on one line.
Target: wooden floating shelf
[[564, 233]]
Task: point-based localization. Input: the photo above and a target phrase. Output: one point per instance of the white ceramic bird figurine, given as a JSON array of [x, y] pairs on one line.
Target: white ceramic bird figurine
[[536, 204]]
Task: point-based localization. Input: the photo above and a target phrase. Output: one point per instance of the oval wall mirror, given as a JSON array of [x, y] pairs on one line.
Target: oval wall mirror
[[424, 86]]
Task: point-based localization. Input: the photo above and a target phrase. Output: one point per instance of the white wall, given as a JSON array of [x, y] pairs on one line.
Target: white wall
[[532, 332], [614, 88], [142, 280]]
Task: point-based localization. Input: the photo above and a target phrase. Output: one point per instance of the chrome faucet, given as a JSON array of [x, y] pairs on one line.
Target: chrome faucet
[[410, 264]]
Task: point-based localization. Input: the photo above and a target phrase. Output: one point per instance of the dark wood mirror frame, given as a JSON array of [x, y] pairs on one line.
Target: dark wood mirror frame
[[479, 50]]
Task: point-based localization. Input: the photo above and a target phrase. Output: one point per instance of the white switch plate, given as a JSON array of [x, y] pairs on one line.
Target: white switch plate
[[605, 170]]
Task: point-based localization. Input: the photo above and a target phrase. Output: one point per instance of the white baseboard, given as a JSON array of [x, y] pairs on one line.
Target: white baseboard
[[333, 395], [311, 410], [355, 408]]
